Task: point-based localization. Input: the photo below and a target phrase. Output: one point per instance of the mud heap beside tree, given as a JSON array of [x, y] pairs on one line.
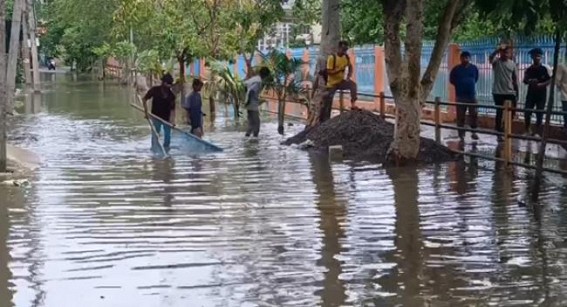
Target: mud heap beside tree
[[365, 136], [403, 24]]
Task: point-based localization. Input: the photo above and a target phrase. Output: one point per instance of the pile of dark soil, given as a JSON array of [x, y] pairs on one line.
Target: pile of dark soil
[[366, 137]]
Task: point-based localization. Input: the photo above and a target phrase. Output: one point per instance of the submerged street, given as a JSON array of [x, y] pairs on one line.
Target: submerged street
[[104, 223]]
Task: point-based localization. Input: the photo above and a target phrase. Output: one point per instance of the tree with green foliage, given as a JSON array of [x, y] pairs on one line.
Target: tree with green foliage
[[251, 20], [282, 81], [76, 28]]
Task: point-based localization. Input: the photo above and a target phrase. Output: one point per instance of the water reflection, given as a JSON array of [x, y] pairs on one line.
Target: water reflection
[[163, 175], [6, 285], [408, 241], [263, 224], [332, 214]]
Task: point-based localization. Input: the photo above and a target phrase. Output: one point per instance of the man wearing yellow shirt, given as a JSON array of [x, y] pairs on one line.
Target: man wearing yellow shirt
[[336, 66]]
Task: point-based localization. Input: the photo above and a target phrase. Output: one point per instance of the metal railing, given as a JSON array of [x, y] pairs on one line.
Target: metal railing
[[508, 135]]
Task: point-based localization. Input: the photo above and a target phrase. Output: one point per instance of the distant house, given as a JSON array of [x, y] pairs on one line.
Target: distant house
[[288, 34]]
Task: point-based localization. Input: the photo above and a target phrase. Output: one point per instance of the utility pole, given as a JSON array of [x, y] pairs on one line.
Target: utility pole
[[13, 53], [3, 100], [26, 54], [32, 25]]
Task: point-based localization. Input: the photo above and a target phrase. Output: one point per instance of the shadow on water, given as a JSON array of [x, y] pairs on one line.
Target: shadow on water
[[6, 285], [332, 213]]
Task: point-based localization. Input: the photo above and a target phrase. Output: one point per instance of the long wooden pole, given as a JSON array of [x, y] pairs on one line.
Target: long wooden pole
[[26, 53], [155, 134], [13, 53], [32, 26], [545, 133], [3, 100]]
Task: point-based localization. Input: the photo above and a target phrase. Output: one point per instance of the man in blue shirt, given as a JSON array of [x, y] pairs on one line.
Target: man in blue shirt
[[193, 104], [464, 78]]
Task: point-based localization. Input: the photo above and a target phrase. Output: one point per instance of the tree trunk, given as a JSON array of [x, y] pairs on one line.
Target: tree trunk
[[404, 72], [330, 36], [26, 54], [212, 106], [281, 115], [249, 68], [182, 73], [34, 53], [13, 53], [3, 100], [405, 146]]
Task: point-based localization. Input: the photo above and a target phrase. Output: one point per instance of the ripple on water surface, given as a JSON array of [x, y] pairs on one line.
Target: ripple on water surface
[[105, 224]]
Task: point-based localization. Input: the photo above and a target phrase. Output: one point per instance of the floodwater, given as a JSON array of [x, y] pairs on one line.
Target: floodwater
[[104, 223]]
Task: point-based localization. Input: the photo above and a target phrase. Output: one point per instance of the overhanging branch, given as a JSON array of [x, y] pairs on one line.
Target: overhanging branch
[[452, 17]]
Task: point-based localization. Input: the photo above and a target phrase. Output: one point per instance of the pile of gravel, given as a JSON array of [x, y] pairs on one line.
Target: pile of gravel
[[365, 136]]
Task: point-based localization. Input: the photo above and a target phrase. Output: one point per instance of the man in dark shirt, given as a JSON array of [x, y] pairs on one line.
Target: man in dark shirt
[[464, 77], [537, 78], [163, 106]]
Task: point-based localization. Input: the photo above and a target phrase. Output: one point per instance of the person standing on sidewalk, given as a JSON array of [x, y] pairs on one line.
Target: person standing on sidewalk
[[252, 102], [537, 78], [561, 82], [505, 86], [464, 78]]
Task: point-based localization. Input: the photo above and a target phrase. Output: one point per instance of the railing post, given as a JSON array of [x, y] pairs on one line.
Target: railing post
[[382, 105], [341, 102], [508, 132], [437, 118]]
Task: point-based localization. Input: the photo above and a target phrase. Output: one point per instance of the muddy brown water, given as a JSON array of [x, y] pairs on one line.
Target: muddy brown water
[[103, 223]]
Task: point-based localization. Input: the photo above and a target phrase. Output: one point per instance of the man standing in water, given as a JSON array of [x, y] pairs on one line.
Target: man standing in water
[[505, 86], [163, 106], [252, 102], [537, 78], [464, 77]]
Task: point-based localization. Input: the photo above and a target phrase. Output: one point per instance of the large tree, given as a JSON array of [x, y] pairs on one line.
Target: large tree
[[3, 100], [330, 36], [409, 88]]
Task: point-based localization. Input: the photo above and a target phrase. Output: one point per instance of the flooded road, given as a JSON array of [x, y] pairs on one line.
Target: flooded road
[[105, 224]]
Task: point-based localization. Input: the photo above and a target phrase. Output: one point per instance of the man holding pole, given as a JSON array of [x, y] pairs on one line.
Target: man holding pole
[[163, 106]]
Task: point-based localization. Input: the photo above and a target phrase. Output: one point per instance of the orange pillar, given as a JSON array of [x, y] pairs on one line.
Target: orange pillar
[[202, 68], [235, 65], [306, 60], [352, 57], [453, 59], [192, 69], [379, 71]]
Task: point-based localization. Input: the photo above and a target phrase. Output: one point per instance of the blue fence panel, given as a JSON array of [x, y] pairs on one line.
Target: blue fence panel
[[480, 52], [241, 67], [365, 69], [313, 53], [297, 53], [440, 86], [197, 67]]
